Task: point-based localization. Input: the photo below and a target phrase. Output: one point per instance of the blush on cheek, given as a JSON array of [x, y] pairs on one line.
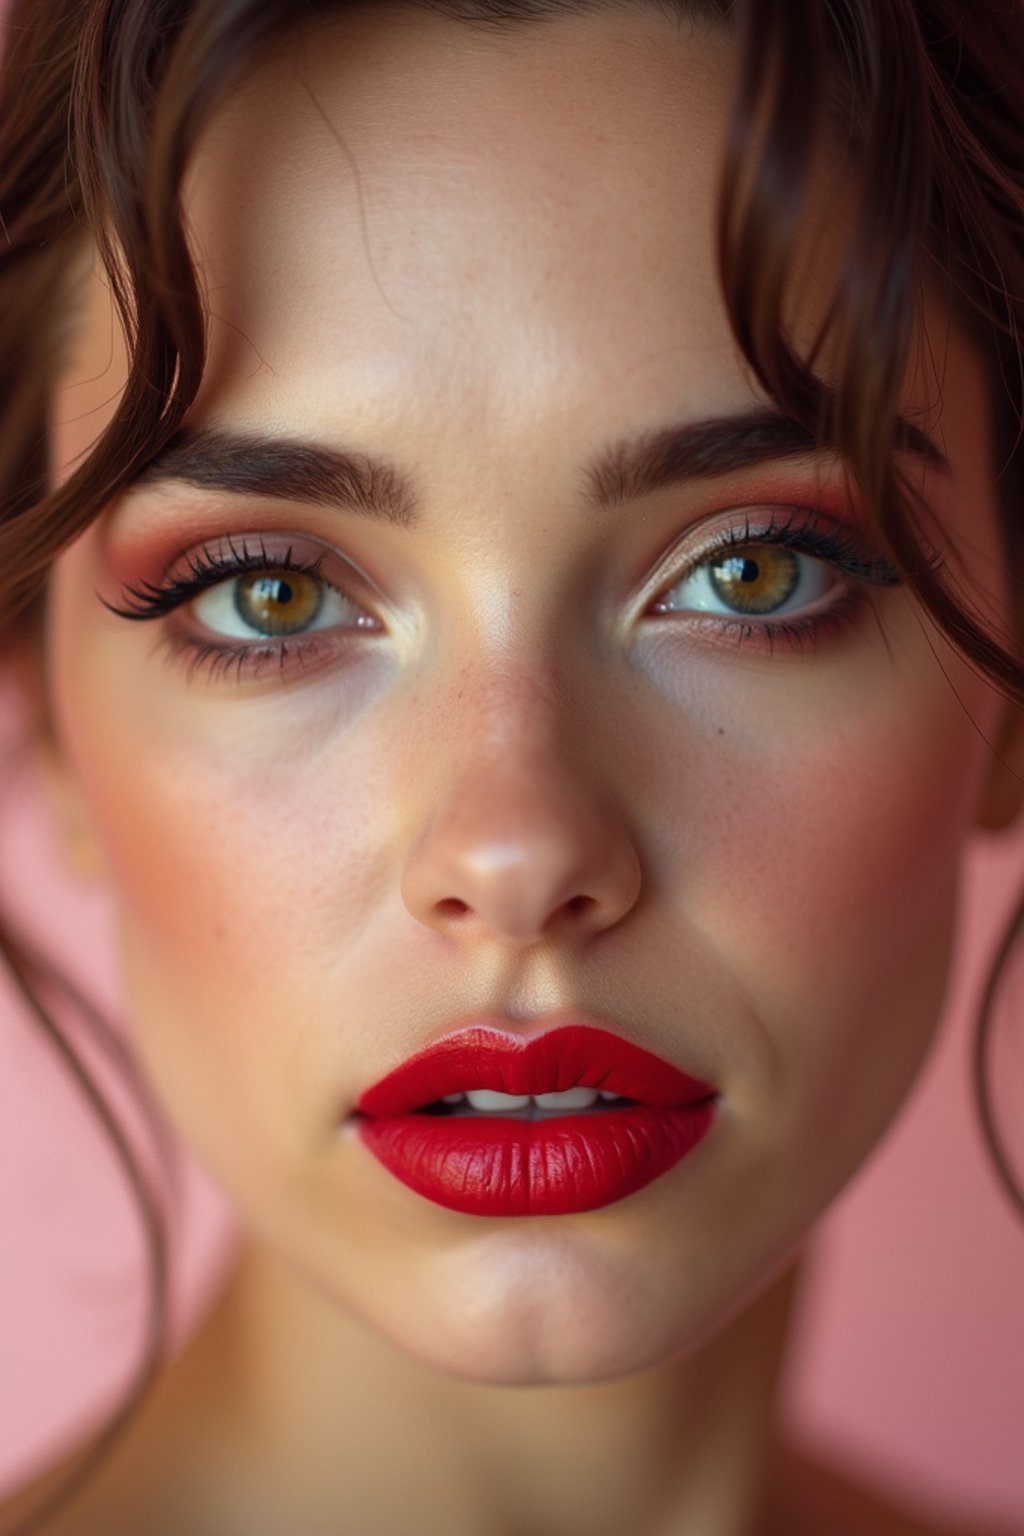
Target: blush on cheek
[[225, 875], [833, 904], [241, 893]]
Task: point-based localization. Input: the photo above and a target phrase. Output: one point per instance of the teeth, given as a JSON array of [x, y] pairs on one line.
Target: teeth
[[489, 1099], [571, 1098], [486, 1098]]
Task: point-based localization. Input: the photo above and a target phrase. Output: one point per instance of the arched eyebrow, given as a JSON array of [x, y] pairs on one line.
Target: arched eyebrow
[[292, 469], [703, 450]]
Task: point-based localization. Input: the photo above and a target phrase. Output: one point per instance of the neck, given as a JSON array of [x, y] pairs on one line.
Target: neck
[[292, 1385]]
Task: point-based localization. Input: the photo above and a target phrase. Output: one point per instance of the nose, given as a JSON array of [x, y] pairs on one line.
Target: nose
[[522, 846]]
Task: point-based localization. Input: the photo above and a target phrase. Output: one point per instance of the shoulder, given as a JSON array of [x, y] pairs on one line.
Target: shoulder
[[84, 1493], [65, 1500], [60, 1502], [810, 1497], [41, 1502], [152, 1464]]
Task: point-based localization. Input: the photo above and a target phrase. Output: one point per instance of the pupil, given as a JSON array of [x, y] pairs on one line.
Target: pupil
[[757, 583], [278, 604]]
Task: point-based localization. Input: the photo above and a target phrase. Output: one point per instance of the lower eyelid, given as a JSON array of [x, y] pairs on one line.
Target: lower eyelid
[[279, 660], [801, 632]]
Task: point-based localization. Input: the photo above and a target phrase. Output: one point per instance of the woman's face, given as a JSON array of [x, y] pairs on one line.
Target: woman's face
[[540, 752]]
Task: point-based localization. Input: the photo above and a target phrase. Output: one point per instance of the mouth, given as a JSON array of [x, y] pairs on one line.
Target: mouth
[[493, 1124], [524, 1106]]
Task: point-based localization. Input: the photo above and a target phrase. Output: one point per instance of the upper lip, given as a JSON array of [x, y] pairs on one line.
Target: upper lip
[[483, 1054]]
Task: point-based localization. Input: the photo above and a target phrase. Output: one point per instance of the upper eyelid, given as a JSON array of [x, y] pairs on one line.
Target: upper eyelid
[[221, 557], [829, 539], [207, 566]]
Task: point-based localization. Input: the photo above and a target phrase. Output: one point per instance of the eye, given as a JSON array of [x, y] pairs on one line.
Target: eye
[[242, 589], [750, 581], [273, 604], [252, 605], [783, 577]]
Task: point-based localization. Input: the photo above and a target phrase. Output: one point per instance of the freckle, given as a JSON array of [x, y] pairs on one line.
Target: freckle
[[721, 730]]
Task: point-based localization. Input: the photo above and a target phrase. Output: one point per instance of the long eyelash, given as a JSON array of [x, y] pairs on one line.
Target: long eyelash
[[800, 532], [838, 548], [153, 600]]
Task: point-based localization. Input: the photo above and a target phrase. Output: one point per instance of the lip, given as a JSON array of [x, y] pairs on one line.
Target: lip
[[494, 1165]]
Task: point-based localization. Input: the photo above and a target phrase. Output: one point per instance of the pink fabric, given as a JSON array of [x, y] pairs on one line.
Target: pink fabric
[[910, 1359]]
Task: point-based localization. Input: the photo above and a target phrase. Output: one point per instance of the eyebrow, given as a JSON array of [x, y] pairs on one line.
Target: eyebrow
[[291, 469], [704, 450], [214, 458]]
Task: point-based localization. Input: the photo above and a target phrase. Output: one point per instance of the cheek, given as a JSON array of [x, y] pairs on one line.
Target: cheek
[[838, 851], [823, 886], [244, 895], [217, 861], [246, 862], [842, 928], [819, 807]]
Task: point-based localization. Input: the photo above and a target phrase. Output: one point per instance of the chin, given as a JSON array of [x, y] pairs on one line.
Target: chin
[[521, 1357], [547, 1313]]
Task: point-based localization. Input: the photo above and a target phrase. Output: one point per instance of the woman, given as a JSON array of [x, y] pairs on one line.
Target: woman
[[528, 683]]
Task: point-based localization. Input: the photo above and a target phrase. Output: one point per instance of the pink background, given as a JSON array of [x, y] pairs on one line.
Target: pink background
[[909, 1365]]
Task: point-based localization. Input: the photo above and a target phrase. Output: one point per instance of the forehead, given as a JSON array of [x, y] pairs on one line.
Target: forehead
[[492, 252], [445, 210]]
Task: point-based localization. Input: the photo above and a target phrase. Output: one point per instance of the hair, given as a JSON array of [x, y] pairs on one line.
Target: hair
[[104, 102]]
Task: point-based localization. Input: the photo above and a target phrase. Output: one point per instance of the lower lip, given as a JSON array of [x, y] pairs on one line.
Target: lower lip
[[493, 1166]]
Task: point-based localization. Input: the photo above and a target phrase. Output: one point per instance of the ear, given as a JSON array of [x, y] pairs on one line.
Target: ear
[[1002, 789]]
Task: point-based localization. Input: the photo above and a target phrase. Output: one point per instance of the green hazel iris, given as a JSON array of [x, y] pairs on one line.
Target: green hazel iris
[[278, 602], [758, 581]]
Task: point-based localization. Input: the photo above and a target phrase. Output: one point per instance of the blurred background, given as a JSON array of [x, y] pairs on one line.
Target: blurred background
[[909, 1365]]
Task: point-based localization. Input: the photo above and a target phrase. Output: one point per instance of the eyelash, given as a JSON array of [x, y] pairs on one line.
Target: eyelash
[[796, 530], [207, 568]]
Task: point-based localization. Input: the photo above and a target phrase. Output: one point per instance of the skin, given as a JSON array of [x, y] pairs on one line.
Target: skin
[[316, 873]]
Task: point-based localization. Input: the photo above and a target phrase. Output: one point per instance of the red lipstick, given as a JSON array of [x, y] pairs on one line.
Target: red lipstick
[[532, 1162]]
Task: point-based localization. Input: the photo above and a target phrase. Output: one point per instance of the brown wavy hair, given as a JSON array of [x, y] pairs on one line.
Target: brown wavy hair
[[104, 102]]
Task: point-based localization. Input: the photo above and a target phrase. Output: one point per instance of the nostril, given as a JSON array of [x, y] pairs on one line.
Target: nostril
[[453, 909]]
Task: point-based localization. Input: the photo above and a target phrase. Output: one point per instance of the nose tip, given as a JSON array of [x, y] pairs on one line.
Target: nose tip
[[522, 862]]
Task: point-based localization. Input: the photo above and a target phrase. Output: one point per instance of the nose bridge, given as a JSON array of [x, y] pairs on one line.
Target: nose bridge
[[522, 834], [510, 716]]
